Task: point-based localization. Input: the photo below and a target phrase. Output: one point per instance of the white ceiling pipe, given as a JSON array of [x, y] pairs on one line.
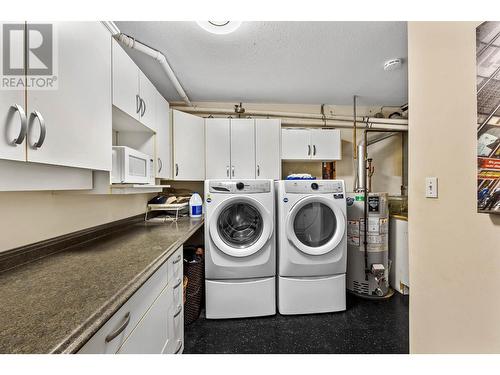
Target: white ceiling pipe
[[155, 54], [311, 119], [343, 124]]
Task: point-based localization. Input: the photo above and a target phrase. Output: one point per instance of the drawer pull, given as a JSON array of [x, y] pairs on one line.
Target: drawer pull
[[179, 282], [179, 347], [179, 310], [120, 329], [178, 259]]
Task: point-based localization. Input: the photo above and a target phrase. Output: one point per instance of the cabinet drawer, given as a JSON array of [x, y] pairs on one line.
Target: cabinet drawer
[[175, 265], [128, 316], [153, 333], [176, 322]]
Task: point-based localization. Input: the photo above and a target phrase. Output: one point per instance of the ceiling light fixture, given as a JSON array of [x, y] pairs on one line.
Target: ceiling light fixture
[[219, 27]]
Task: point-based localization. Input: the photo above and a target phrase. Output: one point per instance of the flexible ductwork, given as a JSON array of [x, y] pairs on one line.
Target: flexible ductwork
[[130, 42]]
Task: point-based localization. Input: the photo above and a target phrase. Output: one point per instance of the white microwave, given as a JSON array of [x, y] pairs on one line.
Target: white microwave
[[131, 166]]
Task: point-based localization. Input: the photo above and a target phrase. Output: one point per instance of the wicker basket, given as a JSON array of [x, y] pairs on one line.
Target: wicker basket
[[195, 272]]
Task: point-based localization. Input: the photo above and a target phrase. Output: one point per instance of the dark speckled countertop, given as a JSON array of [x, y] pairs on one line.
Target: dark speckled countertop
[[55, 304]]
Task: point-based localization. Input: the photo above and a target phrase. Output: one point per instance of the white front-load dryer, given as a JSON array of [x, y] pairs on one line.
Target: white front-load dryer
[[312, 246], [240, 260]]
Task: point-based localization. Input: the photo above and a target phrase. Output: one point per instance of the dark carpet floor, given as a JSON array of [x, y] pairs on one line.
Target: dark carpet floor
[[366, 327]]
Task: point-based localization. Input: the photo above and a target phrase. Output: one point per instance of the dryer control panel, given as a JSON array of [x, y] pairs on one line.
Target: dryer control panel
[[314, 186], [240, 186]]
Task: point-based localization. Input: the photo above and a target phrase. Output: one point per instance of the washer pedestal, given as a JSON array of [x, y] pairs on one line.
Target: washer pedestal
[[310, 295], [240, 298]]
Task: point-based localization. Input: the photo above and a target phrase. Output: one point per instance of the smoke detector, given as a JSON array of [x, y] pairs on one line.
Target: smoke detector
[[393, 64]]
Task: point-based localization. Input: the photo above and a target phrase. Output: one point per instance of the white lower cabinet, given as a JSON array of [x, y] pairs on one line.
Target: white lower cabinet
[[151, 321], [152, 334]]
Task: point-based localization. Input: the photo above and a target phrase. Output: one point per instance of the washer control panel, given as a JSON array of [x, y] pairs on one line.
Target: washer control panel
[[314, 186], [240, 186]]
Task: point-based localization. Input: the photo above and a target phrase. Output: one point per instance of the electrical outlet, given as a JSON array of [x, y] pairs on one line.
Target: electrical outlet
[[431, 187]]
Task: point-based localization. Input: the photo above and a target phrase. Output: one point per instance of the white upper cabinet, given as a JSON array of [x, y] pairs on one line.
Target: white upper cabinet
[[267, 148], [148, 95], [133, 92], [218, 148], [326, 144], [311, 144], [242, 148], [295, 144], [189, 146], [163, 139], [125, 82], [71, 124], [13, 124]]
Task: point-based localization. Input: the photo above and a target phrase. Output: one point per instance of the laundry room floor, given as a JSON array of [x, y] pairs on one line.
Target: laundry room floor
[[366, 327]]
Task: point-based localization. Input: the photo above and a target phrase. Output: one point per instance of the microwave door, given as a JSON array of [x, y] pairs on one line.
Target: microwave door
[[137, 169]]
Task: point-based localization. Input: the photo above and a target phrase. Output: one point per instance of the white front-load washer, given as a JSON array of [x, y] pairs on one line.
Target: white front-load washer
[[240, 260], [312, 246]]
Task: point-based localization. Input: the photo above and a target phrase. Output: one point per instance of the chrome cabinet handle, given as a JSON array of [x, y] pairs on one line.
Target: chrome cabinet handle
[[160, 163], [22, 132], [178, 259], [258, 170], [179, 347], [138, 103], [232, 170], [178, 284], [41, 121], [179, 310], [308, 150], [176, 169], [314, 149], [227, 170], [143, 107], [120, 329]]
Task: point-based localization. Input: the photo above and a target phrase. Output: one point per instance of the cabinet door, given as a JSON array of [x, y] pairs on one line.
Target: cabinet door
[[148, 94], [267, 148], [326, 144], [12, 125], [163, 139], [125, 82], [218, 148], [295, 144], [77, 114], [242, 148], [152, 334], [189, 146]]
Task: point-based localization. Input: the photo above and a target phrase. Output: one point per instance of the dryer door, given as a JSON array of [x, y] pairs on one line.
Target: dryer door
[[316, 225], [241, 226]]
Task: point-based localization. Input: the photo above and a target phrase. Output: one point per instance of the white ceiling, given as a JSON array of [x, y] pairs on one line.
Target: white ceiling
[[278, 62]]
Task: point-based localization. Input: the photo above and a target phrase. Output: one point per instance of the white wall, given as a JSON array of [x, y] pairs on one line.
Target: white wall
[[27, 217], [454, 251]]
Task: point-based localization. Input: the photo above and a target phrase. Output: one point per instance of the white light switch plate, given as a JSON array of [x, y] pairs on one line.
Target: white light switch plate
[[431, 187]]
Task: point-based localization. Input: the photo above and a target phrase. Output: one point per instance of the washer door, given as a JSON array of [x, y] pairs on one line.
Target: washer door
[[241, 226], [315, 225]]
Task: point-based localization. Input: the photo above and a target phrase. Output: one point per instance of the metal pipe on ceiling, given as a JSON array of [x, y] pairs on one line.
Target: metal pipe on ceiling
[[381, 138], [307, 119], [132, 43]]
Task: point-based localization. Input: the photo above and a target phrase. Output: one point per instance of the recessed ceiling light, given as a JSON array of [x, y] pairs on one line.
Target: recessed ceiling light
[[219, 27]]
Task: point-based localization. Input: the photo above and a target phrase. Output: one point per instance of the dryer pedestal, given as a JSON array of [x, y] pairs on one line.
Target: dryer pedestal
[[311, 295], [241, 298]]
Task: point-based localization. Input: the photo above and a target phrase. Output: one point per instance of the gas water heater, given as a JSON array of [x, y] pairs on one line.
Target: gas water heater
[[368, 244]]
